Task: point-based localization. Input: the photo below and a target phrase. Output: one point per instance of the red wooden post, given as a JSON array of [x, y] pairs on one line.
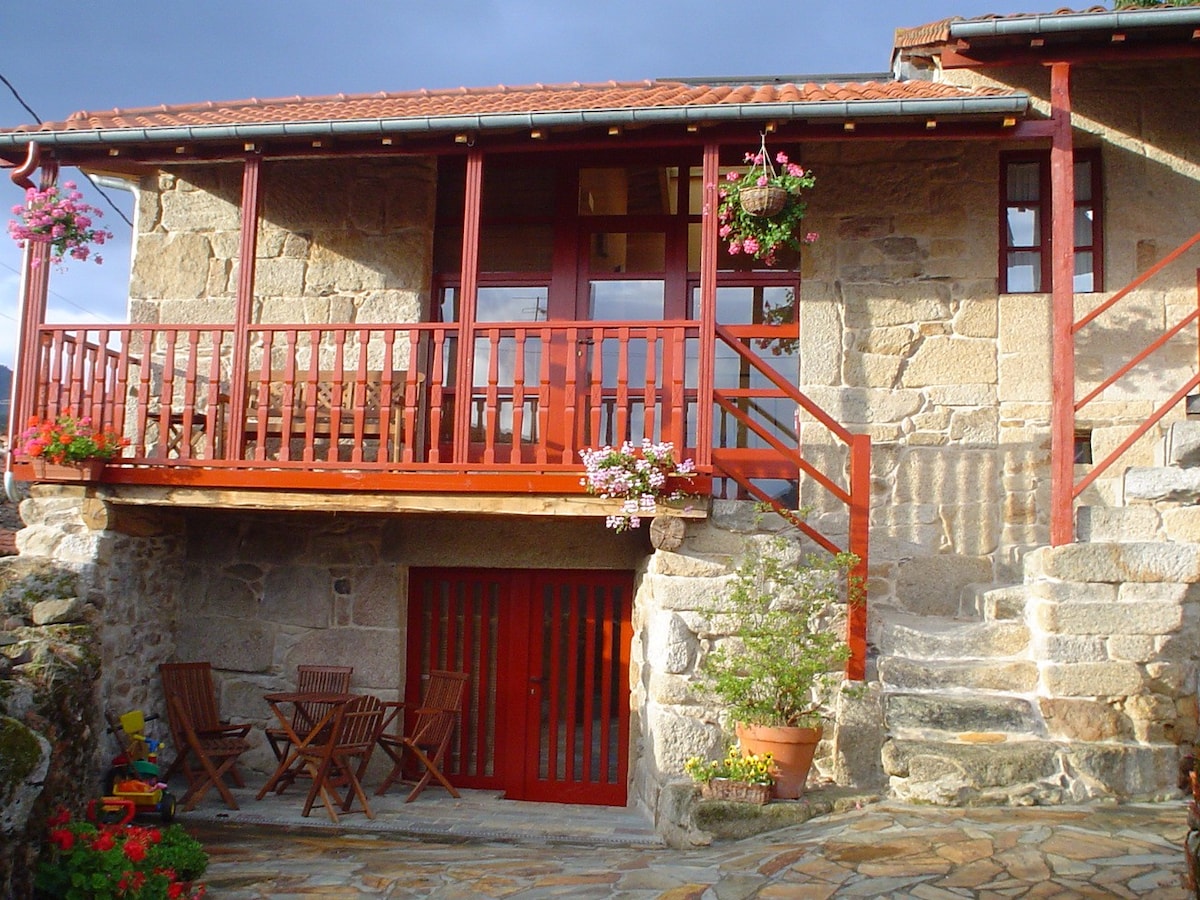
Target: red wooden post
[[247, 251], [468, 292], [708, 306], [1062, 379], [860, 524], [35, 284]]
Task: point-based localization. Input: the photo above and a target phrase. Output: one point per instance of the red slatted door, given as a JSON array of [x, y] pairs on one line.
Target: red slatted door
[[547, 718]]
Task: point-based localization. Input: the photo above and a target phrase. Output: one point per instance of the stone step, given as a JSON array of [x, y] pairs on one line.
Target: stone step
[[992, 601], [1028, 771], [913, 715], [1117, 524], [1014, 676], [1156, 484], [924, 637]]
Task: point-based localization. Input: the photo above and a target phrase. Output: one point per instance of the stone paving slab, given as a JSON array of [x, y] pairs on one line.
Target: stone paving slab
[[883, 850]]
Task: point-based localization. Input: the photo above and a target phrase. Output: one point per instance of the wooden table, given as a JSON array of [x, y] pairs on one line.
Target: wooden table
[[314, 728]]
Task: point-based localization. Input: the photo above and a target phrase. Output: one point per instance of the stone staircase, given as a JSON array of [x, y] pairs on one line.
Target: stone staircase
[[1077, 684]]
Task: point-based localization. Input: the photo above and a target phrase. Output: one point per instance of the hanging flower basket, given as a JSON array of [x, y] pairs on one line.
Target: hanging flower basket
[[763, 200], [60, 219], [761, 210]]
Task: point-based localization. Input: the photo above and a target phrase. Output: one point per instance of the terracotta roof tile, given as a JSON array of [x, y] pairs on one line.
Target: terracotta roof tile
[[499, 100]]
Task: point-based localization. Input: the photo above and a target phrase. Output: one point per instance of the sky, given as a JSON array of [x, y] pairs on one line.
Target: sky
[[132, 53]]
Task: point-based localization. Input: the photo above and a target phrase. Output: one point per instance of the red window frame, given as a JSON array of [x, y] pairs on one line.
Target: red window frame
[[1042, 204]]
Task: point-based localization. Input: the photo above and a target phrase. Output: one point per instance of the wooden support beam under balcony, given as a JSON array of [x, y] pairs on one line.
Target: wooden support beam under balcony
[[391, 502]]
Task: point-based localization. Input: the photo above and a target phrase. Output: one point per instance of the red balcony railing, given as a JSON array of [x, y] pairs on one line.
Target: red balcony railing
[[377, 398]]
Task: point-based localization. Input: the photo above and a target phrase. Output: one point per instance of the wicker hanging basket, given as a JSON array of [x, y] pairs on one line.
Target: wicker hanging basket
[[763, 200]]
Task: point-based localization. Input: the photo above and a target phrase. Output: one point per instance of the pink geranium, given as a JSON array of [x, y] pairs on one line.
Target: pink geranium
[[61, 219]]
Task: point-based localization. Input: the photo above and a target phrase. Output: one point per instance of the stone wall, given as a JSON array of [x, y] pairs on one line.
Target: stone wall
[[904, 336], [1116, 632], [673, 630], [339, 241]]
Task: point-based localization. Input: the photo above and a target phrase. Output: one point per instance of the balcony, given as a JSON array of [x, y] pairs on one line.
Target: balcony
[[374, 408]]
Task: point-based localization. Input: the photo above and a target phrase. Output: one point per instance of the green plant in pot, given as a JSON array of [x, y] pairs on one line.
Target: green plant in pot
[[777, 657]]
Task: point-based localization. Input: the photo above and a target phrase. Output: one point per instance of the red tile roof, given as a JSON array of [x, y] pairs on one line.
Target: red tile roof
[[502, 100], [939, 32]]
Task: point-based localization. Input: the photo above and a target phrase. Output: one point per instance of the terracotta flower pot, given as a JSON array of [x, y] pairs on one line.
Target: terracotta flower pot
[[791, 748]]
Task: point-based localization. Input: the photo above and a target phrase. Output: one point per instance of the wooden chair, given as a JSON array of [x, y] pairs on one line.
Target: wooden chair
[[205, 760], [337, 763], [192, 683], [310, 680], [432, 726]]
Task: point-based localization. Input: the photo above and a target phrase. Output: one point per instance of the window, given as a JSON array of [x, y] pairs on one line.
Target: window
[[1025, 223]]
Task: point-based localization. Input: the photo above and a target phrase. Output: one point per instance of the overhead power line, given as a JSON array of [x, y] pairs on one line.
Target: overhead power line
[[38, 119], [66, 300]]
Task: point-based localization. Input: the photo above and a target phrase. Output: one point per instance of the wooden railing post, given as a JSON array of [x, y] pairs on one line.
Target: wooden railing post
[[708, 306], [1062, 377], [859, 543], [35, 285]]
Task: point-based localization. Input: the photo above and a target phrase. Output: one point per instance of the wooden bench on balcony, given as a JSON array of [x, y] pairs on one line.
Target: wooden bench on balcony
[[345, 409]]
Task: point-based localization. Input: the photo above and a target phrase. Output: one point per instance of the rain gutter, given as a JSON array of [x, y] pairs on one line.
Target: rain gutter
[[1076, 22], [1008, 104]]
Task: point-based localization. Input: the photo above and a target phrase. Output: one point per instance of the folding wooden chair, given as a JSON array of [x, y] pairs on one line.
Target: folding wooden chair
[[205, 760], [338, 762], [310, 680], [433, 725], [192, 683]]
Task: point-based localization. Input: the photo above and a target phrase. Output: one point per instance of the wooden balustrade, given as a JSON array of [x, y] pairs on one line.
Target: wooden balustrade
[[341, 397]]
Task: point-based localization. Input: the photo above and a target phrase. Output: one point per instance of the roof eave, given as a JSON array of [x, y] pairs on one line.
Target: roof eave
[[1059, 23], [1008, 104]]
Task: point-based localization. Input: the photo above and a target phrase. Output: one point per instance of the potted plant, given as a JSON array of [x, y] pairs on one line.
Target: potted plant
[[68, 449], [744, 777], [61, 220], [775, 661], [639, 476], [761, 210]]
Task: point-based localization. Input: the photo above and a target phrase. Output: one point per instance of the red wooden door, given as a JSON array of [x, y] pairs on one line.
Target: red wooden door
[[547, 711]]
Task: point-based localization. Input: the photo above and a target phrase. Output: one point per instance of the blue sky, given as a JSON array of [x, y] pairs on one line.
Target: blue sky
[[129, 53]]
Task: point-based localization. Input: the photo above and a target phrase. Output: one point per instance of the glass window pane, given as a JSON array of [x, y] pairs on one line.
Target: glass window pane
[[1024, 182], [510, 191], [1085, 273], [1083, 181], [447, 249], [448, 305], [774, 305], [1024, 226], [1024, 272], [627, 300], [631, 191], [1083, 227], [620, 252], [515, 248], [512, 304]]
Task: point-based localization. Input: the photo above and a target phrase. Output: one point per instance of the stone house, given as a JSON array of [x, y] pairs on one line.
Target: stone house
[[369, 335]]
